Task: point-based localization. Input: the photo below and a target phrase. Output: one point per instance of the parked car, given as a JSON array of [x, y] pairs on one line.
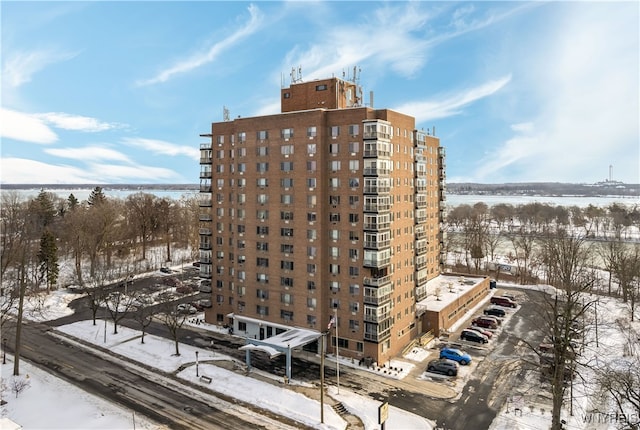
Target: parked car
[[444, 366], [206, 303], [485, 322], [198, 306], [481, 331], [455, 355], [504, 301], [186, 308], [196, 264], [473, 336], [165, 270], [494, 311], [205, 287]]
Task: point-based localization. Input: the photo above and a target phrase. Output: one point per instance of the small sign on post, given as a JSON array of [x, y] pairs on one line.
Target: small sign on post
[[383, 414]]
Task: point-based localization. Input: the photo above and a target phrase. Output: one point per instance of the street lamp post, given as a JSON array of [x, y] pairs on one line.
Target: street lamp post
[[4, 351], [197, 375]]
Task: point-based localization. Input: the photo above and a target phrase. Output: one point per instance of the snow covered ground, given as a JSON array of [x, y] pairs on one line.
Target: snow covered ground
[[63, 406]]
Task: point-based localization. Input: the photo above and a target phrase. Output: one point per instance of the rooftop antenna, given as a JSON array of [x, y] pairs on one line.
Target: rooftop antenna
[[225, 113], [296, 75]]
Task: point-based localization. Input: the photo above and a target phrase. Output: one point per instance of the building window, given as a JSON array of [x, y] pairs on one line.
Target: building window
[[311, 302], [311, 182], [286, 199], [263, 198], [354, 165], [334, 182], [262, 246], [354, 325], [334, 148], [286, 133], [334, 131], [286, 265], [354, 289], [263, 278], [286, 282], [312, 234], [286, 95], [262, 182], [286, 149], [311, 132], [286, 215], [334, 269], [334, 234], [262, 135], [311, 165], [311, 201], [354, 182], [286, 182], [286, 166], [353, 218], [286, 232], [354, 200], [311, 320], [311, 268], [262, 262], [353, 254], [286, 315], [334, 200], [354, 129], [311, 216], [242, 137], [334, 286], [322, 87], [262, 214], [354, 271], [286, 298], [262, 230], [262, 167], [262, 310], [311, 285], [334, 251], [334, 217], [312, 251], [334, 165], [262, 151]]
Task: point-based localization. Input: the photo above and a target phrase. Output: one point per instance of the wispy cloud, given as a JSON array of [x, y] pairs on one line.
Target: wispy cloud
[[163, 148], [76, 122], [201, 58], [25, 128], [26, 171], [450, 105], [20, 67], [93, 152], [588, 110]]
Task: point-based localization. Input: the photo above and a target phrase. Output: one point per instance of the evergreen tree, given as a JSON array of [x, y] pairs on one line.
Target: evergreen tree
[[44, 208], [97, 197], [72, 201], [48, 259]]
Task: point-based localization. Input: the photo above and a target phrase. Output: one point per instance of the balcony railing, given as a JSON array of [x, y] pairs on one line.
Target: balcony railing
[[376, 189], [376, 152], [377, 207], [378, 337], [377, 282], [205, 174], [205, 160], [375, 171], [375, 134], [377, 244], [378, 263], [376, 300], [381, 225]]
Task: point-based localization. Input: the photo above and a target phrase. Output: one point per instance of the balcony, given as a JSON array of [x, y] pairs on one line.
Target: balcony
[[206, 160], [376, 189], [377, 282], [377, 244], [205, 174], [377, 207], [205, 218], [376, 300], [376, 318], [376, 171], [377, 226], [377, 263], [205, 188], [378, 337], [375, 134], [204, 232], [377, 151], [421, 204], [205, 246]]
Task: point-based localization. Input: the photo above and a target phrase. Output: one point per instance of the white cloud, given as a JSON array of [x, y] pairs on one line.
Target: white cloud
[[24, 171], [451, 104], [75, 122], [24, 127], [163, 148], [19, 67], [586, 84], [201, 58], [89, 153], [523, 127]]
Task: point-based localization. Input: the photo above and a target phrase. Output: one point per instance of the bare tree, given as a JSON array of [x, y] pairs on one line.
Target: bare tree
[[173, 320], [627, 270], [143, 218], [117, 304], [567, 259], [144, 312]]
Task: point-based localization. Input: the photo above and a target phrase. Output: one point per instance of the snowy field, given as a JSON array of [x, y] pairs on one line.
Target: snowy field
[[63, 406]]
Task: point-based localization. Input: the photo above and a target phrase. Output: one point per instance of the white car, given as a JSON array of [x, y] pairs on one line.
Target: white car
[[186, 308]]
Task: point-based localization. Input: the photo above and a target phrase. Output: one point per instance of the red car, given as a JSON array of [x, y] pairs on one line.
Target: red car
[[484, 323]]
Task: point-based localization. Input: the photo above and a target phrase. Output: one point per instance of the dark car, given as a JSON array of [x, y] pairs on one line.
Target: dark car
[[495, 311], [503, 301], [165, 270], [481, 331], [444, 366], [485, 322], [473, 336]]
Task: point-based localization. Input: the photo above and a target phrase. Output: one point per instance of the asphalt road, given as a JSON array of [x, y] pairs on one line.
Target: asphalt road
[[170, 404]]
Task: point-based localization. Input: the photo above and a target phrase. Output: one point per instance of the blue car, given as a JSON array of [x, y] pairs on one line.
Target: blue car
[[455, 355]]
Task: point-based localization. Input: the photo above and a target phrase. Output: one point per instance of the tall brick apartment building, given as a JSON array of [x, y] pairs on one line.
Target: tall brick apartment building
[[328, 208]]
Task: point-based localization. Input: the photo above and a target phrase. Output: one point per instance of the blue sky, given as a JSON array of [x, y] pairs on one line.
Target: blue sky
[[119, 92]]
